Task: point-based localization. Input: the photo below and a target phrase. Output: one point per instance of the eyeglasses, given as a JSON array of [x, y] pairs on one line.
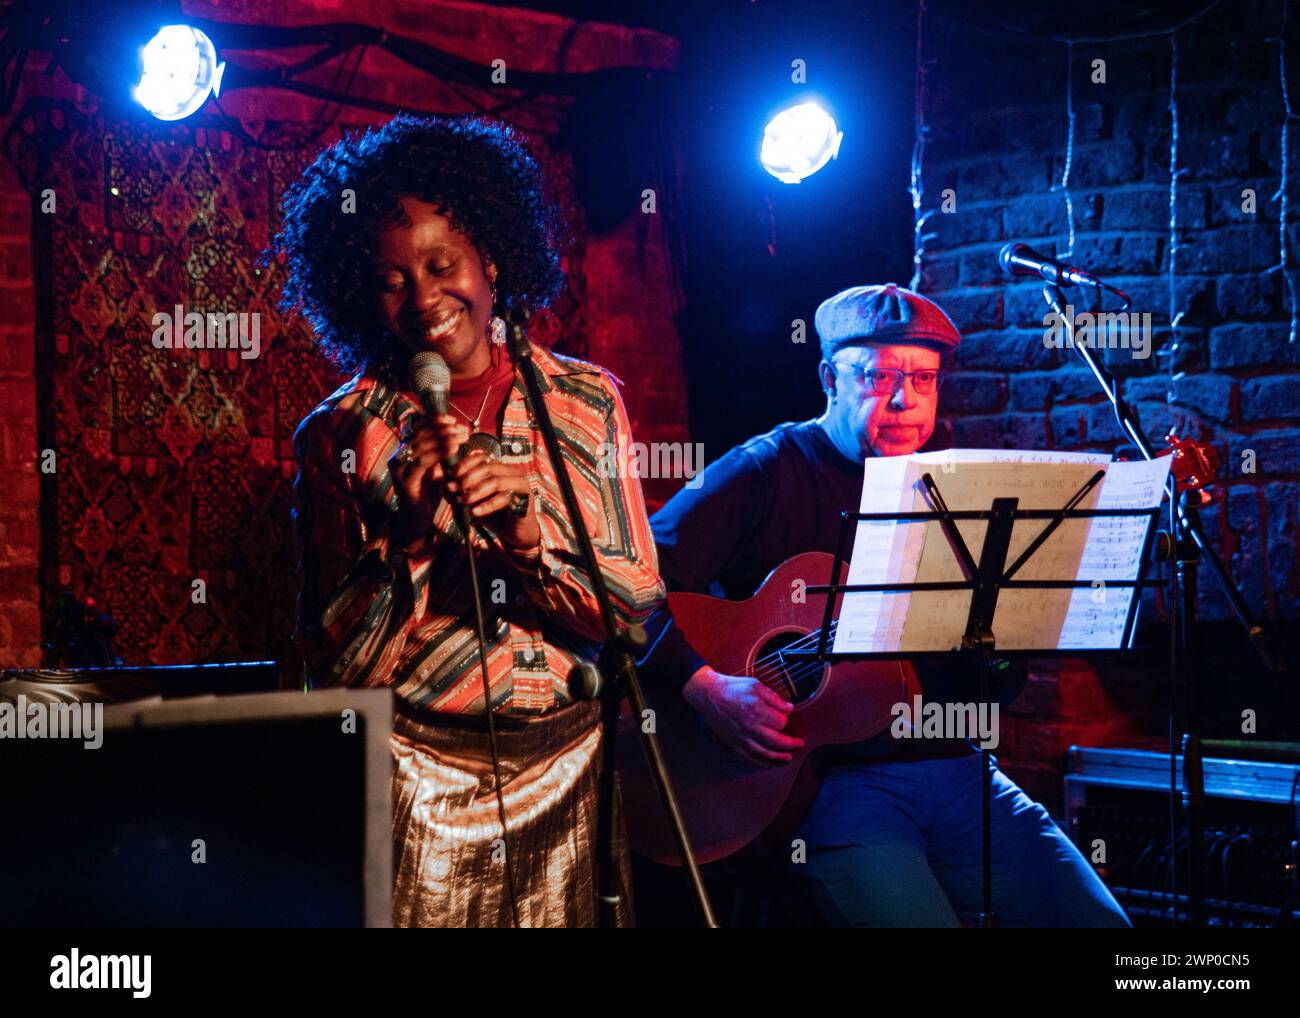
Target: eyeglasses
[[886, 381]]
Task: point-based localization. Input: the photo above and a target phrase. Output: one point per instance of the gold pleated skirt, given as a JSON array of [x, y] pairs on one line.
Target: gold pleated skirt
[[448, 865]]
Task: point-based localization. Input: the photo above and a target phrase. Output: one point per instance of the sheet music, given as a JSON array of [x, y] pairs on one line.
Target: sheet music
[[1024, 619], [877, 555], [1105, 548], [1096, 617], [958, 456]]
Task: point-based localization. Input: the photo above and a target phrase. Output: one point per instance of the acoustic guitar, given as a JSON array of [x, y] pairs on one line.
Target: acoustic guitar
[[728, 803]]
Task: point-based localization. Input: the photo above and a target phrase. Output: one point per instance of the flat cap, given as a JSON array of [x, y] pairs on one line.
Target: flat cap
[[886, 313]]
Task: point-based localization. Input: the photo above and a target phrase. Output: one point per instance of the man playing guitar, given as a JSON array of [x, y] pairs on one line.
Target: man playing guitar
[[893, 834]]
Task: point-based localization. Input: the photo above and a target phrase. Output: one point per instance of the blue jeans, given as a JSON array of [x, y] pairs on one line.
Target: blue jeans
[[899, 844]]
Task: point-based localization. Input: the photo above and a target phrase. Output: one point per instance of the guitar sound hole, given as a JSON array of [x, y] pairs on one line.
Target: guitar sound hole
[[795, 678]]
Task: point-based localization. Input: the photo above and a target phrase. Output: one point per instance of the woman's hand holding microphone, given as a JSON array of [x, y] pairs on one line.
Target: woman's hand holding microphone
[[425, 466]]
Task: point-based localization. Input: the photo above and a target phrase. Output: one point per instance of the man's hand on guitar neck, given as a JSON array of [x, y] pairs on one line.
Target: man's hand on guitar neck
[[744, 714]]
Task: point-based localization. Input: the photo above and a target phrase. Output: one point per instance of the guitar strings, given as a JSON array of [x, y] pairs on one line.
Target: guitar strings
[[779, 674]]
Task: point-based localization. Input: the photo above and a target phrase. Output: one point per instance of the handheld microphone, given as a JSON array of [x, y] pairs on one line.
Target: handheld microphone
[[1023, 260], [431, 380]]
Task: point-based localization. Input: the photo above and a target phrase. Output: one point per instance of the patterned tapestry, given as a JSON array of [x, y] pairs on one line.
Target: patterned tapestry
[[170, 466]]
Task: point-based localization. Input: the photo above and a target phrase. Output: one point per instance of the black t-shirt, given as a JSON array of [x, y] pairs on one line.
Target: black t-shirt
[[776, 496]]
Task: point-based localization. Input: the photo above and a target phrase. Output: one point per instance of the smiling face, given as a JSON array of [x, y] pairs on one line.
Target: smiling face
[[888, 425], [433, 289]]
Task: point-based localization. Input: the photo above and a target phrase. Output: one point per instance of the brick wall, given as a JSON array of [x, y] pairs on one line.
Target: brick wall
[[629, 305], [998, 115]]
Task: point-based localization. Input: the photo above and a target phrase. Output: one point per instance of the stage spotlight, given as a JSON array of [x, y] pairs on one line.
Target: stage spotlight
[[179, 69], [798, 142]]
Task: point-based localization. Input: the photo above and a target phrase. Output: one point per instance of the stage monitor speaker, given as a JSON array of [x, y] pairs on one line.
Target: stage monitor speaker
[[259, 810]]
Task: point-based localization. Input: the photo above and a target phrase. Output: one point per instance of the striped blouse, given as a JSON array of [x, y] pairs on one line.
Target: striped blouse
[[371, 615]]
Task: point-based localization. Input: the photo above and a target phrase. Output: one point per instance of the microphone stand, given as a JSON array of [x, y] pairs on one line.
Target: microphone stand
[[1185, 547], [617, 666]]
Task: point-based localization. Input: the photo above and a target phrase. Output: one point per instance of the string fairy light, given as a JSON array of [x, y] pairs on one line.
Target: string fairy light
[[917, 185], [1284, 252], [1064, 184], [1175, 316]]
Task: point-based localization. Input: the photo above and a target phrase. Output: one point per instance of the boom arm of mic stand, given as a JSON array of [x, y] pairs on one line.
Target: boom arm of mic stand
[[616, 662], [1128, 423]]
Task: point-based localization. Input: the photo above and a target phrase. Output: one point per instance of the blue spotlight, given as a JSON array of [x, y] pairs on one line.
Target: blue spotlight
[[799, 141], [179, 70]]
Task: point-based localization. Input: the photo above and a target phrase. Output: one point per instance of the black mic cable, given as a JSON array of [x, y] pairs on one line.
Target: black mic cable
[[430, 378]]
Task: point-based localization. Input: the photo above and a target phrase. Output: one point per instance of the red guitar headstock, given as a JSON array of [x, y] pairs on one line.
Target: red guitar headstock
[[1195, 464]]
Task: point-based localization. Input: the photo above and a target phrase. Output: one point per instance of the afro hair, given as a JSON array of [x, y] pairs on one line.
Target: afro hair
[[478, 172]]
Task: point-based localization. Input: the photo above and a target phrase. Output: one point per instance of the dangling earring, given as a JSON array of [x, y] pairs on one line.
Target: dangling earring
[[497, 324]]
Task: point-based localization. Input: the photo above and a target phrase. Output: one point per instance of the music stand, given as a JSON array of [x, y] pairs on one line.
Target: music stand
[[985, 579]]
